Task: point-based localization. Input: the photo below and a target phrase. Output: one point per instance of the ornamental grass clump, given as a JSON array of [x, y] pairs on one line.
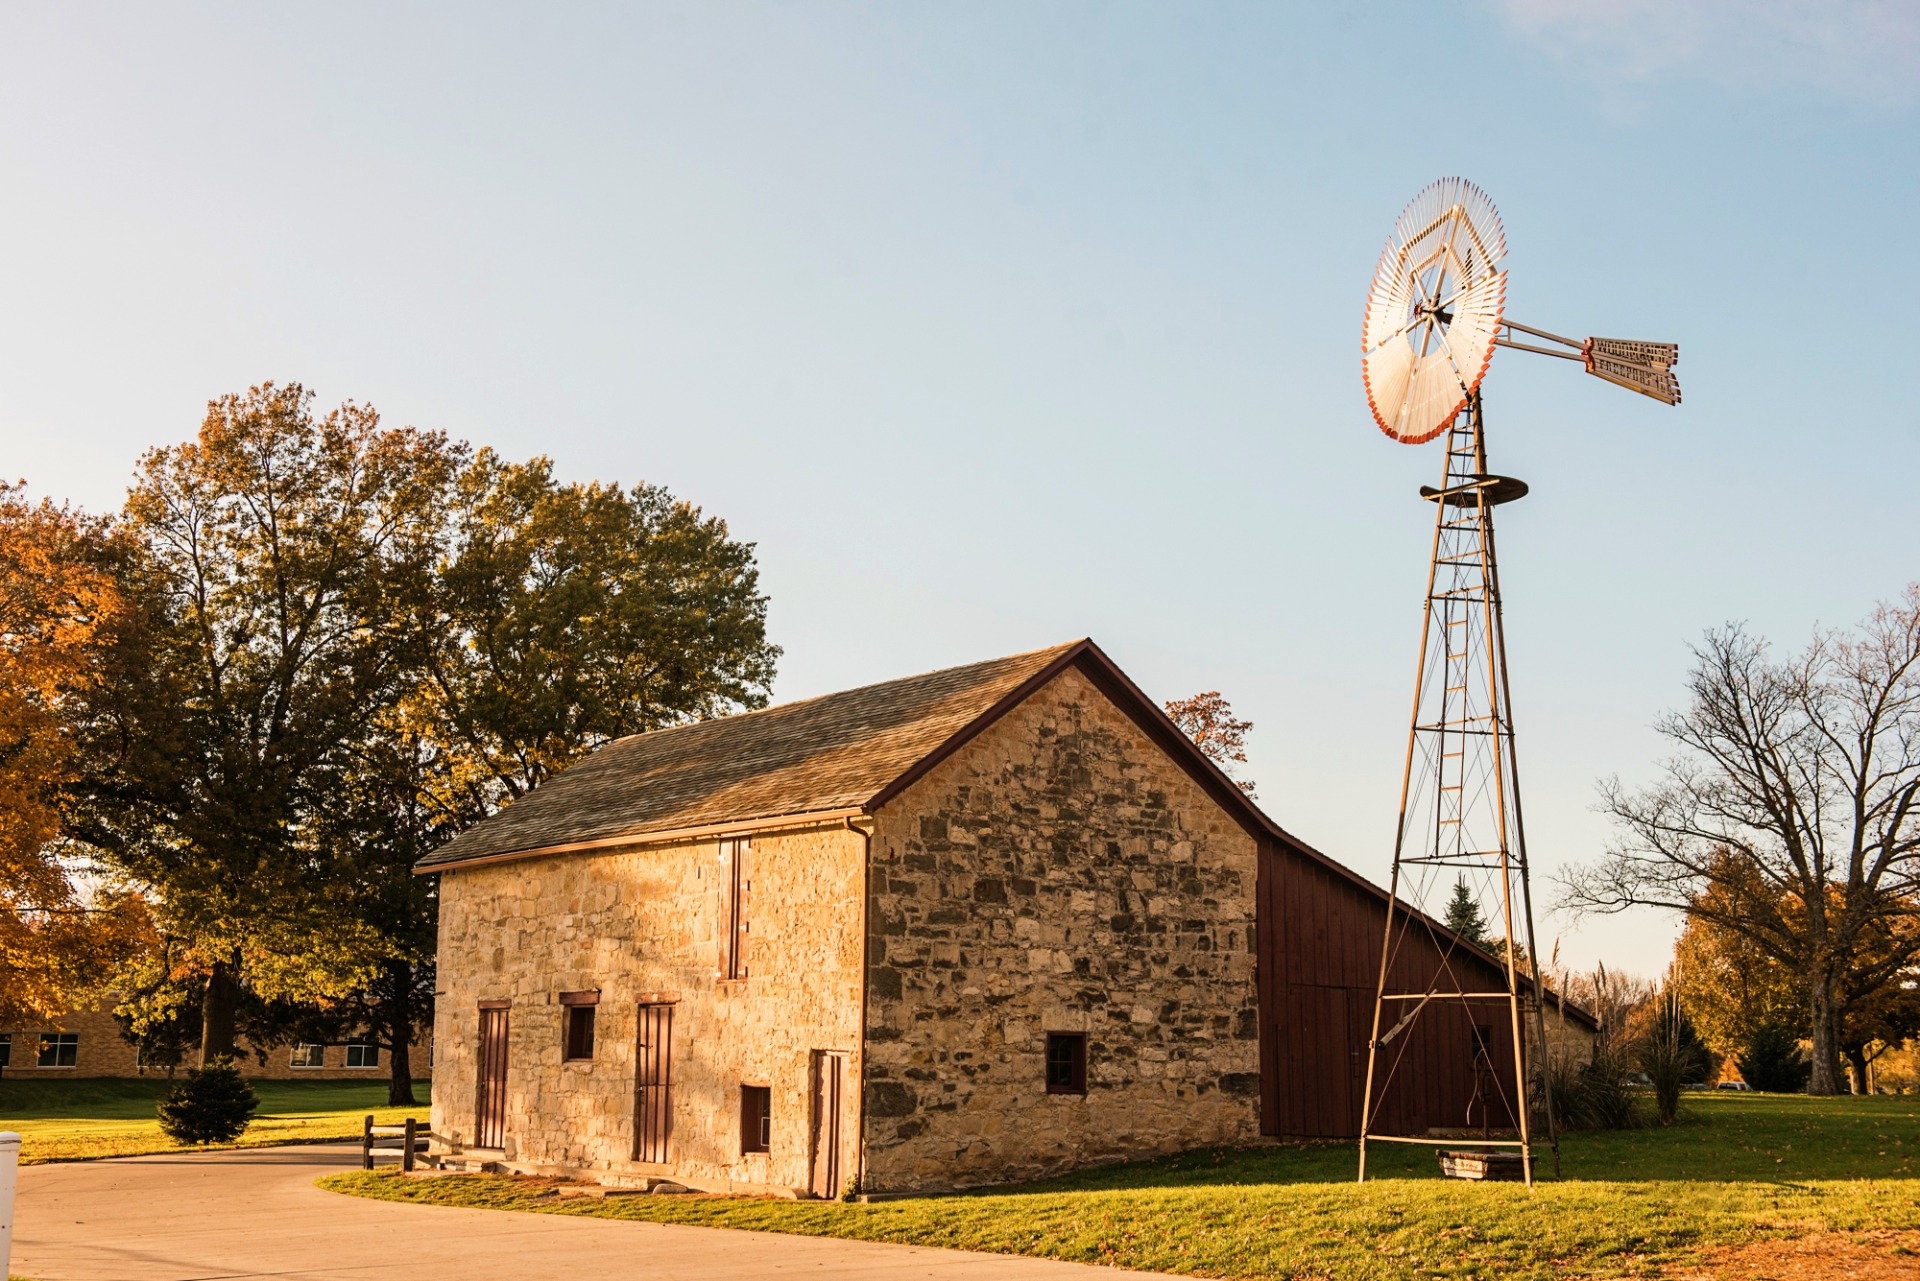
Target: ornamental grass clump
[[213, 1104]]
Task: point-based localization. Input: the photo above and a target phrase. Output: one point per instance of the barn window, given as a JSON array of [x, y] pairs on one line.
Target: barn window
[[1066, 1063], [579, 1023], [756, 1118], [736, 901]]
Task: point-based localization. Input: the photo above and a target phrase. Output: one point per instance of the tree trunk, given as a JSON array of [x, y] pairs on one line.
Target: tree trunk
[[217, 1011], [398, 1016], [1857, 1068], [1825, 1077]]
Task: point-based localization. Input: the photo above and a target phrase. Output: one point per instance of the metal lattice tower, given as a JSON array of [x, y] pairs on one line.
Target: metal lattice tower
[[1435, 313], [1460, 818]]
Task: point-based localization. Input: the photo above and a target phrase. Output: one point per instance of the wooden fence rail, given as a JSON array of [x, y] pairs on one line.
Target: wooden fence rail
[[405, 1140]]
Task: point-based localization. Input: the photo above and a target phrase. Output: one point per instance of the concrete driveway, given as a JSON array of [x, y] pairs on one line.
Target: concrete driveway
[[231, 1215]]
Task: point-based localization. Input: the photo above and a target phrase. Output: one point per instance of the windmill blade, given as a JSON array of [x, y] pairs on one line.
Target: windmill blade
[[1645, 367]]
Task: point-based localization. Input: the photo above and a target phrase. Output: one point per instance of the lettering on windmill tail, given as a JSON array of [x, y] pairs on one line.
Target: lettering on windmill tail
[[1638, 366]]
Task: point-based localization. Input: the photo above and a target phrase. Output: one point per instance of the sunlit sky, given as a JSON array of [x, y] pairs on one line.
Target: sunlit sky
[[996, 325]]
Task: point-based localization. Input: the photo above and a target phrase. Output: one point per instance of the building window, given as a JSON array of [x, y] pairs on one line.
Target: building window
[[6, 1049], [59, 1049], [736, 900], [363, 1054], [1066, 1063], [756, 1118], [308, 1055], [579, 1032]]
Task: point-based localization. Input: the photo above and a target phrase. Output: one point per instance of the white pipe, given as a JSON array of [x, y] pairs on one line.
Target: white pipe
[[9, 1169]]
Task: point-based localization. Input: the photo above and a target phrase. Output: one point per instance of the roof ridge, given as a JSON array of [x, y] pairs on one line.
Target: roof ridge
[[841, 693]]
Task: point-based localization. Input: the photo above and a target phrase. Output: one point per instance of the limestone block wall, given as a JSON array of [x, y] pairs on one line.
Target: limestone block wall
[[634, 925], [1057, 874]]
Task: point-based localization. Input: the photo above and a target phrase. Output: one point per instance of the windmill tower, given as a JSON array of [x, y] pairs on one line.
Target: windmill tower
[[1434, 316]]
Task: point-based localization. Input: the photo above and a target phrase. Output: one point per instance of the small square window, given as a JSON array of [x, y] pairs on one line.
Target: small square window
[[309, 1055], [756, 1118], [362, 1054], [59, 1049], [579, 1032], [1066, 1063]]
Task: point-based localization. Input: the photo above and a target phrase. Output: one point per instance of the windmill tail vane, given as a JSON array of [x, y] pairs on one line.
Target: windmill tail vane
[[1645, 367]]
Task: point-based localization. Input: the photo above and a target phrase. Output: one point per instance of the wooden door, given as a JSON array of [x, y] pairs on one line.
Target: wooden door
[[490, 1094], [653, 1084], [829, 1074]]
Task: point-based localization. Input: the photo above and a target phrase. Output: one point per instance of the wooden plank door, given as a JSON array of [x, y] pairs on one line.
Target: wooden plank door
[[829, 1075], [490, 1095], [653, 1084]]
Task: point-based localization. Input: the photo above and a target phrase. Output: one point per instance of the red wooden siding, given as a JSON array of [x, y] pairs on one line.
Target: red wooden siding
[[1318, 960]]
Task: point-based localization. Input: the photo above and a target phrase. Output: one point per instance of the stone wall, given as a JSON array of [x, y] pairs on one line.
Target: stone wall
[[645, 921], [102, 1052], [1057, 874]]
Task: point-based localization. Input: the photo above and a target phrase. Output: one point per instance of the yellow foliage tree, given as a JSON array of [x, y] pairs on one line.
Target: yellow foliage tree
[[59, 940]]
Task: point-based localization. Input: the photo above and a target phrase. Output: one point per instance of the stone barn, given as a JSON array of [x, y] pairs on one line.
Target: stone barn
[[978, 925]]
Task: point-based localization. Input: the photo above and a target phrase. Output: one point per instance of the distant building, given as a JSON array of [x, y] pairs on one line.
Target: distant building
[[87, 1043], [983, 924]]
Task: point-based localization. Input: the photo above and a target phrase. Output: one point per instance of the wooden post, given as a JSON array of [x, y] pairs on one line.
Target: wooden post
[[406, 1153], [366, 1144]]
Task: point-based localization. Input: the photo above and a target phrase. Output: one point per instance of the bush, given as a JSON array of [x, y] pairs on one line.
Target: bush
[[1772, 1061], [213, 1104], [1592, 1095]]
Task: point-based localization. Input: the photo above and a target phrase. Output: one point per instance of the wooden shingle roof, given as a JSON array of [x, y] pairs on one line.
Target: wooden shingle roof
[[835, 753]]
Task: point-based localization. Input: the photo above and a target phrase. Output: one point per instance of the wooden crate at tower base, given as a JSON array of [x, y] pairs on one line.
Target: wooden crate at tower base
[[1460, 1163]]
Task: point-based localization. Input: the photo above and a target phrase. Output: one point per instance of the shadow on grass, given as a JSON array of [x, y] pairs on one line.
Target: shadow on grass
[[1784, 1141]]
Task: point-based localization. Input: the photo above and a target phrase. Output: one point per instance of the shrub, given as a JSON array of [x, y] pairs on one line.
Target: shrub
[[1772, 1060], [1592, 1095], [213, 1104]]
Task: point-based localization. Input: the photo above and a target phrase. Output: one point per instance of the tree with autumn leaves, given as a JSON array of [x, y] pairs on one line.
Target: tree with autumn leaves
[[338, 644], [64, 930]]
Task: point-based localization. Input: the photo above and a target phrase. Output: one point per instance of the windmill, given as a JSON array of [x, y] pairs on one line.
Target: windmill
[[1434, 316]]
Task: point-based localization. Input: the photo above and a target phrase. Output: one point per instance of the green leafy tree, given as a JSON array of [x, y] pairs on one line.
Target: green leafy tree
[[568, 615], [283, 558]]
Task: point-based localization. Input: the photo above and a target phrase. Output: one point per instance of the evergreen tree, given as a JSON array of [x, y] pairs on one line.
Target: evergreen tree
[[1464, 917]]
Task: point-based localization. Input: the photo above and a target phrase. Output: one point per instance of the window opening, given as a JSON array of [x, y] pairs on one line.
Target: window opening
[[579, 1032], [756, 1118], [1066, 1063], [59, 1049], [362, 1054], [309, 1055]]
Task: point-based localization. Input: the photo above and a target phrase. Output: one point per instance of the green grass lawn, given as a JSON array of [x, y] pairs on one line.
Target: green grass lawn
[[1735, 1170], [80, 1120]]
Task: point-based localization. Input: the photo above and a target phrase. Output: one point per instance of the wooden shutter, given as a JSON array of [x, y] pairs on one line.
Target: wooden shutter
[[736, 902]]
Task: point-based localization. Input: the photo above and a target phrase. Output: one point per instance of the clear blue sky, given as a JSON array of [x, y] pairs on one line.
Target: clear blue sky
[[1000, 324]]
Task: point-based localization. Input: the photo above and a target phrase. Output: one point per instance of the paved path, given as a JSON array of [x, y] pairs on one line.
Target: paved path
[[223, 1216]]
